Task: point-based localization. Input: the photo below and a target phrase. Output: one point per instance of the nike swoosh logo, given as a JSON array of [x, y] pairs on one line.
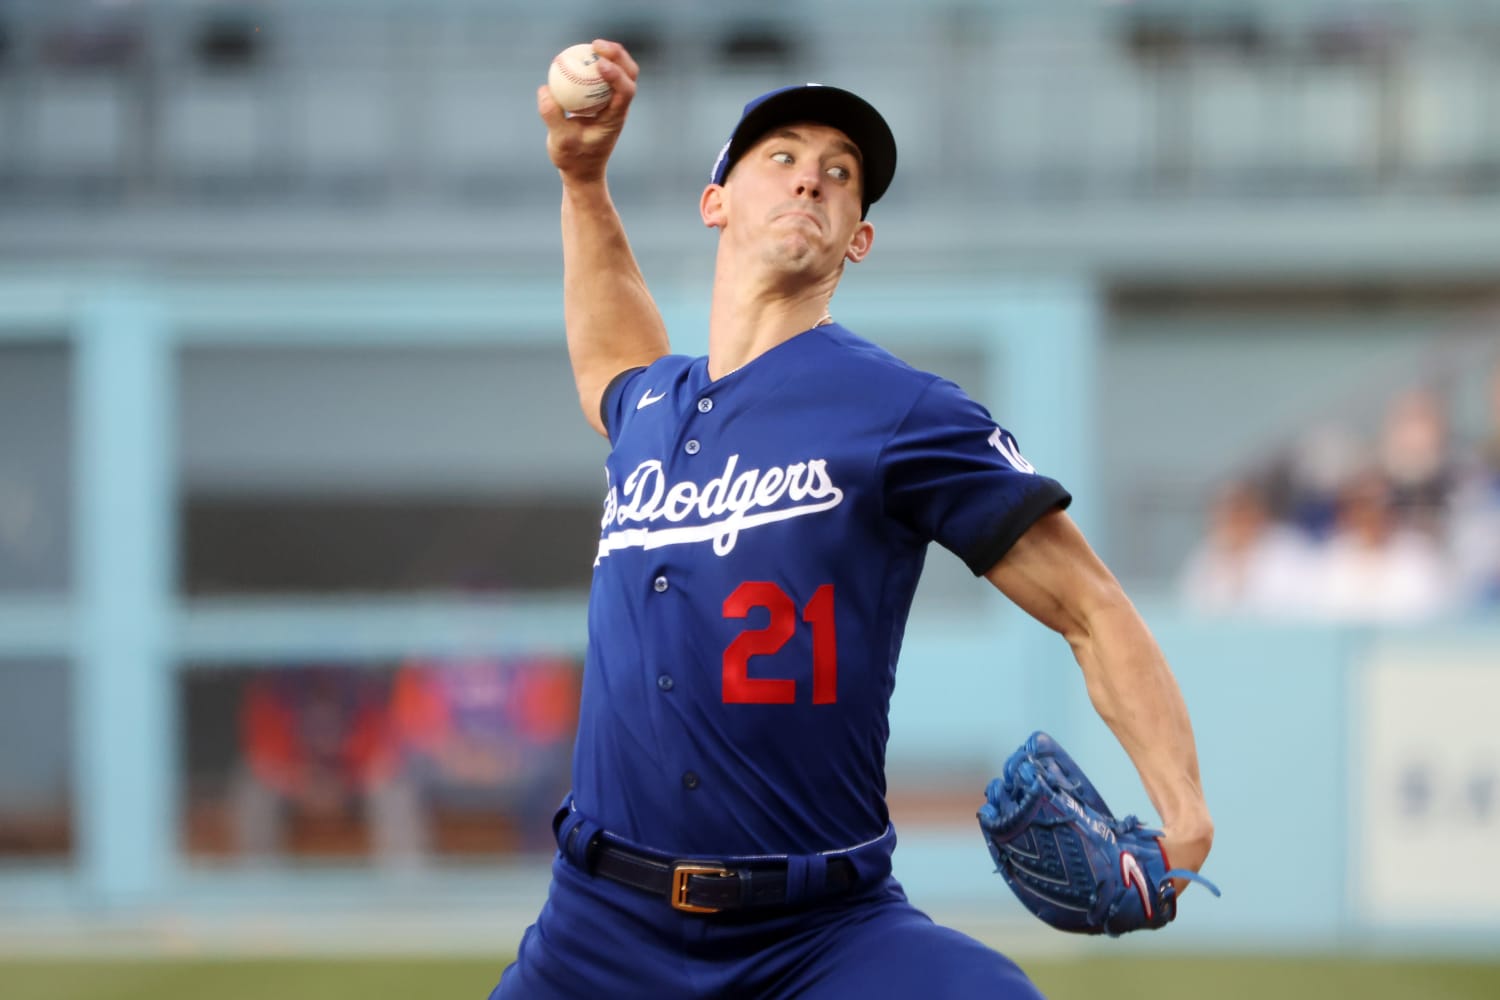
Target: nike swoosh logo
[[648, 399], [1130, 871]]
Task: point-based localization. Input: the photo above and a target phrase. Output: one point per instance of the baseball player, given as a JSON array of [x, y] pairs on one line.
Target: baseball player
[[767, 513]]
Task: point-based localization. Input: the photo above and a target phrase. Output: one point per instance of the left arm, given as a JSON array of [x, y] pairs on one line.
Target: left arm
[[1054, 575]]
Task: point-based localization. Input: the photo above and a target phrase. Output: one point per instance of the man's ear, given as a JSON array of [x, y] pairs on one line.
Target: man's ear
[[712, 206], [859, 245]]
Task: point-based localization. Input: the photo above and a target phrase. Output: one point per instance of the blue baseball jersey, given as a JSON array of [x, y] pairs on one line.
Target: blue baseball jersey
[[761, 541]]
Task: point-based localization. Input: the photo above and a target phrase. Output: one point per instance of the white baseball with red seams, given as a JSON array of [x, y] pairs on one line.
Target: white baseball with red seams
[[575, 82]]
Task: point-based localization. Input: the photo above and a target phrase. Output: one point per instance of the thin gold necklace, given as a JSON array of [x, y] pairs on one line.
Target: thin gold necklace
[[824, 321]]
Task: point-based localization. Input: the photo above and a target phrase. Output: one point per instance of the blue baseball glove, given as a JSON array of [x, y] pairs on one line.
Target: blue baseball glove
[[1065, 855]]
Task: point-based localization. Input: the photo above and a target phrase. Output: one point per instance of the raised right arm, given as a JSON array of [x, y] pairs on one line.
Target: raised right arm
[[612, 322]]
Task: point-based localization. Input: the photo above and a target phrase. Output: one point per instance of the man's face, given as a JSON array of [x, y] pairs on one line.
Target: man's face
[[795, 197]]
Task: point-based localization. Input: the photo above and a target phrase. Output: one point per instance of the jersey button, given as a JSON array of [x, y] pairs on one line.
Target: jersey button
[[705, 404], [659, 584], [689, 780], [691, 447], [665, 682]]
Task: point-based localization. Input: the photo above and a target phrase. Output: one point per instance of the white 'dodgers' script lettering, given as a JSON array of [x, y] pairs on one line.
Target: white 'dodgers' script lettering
[[719, 509]]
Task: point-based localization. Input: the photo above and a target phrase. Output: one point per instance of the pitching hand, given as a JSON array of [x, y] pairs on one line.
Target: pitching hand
[[580, 146]]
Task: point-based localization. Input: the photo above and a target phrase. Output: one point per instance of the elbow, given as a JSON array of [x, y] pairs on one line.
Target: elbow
[[1098, 613], [1107, 636]]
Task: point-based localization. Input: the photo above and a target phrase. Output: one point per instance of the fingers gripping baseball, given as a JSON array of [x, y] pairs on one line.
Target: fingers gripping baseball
[[580, 145]]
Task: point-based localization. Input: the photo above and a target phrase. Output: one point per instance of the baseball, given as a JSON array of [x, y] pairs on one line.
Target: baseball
[[575, 82]]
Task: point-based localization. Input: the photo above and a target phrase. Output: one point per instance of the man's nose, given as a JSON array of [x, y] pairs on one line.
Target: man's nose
[[809, 184]]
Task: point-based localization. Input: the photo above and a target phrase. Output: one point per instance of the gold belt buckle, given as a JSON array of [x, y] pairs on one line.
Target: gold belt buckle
[[684, 870]]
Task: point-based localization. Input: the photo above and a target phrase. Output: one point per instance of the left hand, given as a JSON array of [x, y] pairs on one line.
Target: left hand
[[1070, 861]]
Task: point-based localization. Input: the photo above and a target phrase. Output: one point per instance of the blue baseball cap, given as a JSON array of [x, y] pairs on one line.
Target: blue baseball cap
[[813, 102]]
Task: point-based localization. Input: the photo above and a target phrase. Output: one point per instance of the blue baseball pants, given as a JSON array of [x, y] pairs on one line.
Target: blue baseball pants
[[597, 940]]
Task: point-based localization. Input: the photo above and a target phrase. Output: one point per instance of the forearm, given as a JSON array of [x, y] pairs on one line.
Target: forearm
[[1134, 692], [1057, 578], [612, 322]]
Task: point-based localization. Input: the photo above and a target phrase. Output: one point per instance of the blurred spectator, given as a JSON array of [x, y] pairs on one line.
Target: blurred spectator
[[1248, 564], [1317, 469], [1475, 534], [1374, 568], [1416, 459], [487, 736], [318, 744]]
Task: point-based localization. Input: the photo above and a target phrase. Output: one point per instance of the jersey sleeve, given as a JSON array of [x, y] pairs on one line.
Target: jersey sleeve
[[954, 476], [610, 408]]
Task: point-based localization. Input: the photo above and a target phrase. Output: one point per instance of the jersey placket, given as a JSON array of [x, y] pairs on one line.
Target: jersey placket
[[667, 576]]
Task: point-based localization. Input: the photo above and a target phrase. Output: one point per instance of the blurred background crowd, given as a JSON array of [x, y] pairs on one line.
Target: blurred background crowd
[[1399, 522], [405, 765]]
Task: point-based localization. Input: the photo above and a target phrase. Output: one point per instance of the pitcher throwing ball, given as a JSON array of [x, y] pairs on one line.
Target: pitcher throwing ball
[[768, 511]]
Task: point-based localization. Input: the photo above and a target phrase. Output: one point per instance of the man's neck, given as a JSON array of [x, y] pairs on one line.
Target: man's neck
[[746, 321]]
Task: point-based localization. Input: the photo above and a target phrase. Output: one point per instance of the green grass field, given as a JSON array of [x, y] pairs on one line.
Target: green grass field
[[1157, 978]]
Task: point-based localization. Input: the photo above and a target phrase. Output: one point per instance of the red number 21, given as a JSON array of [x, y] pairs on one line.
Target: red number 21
[[742, 689]]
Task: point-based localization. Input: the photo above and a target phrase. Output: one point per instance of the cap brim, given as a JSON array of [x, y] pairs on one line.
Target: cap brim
[[849, 113]]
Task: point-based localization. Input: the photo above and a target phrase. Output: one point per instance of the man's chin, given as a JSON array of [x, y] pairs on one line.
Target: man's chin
[[794, 254]]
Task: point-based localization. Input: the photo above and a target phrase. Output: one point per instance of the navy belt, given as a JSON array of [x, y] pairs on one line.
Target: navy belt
[[710, 886], [702, 885]]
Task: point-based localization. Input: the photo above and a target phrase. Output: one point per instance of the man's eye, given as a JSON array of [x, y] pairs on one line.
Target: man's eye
[[782, 157], [839, 173]]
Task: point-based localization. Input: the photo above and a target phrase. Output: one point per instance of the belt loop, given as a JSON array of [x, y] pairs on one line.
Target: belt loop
[[806, 877], [817, 877], [577, 837], [564, 810]]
